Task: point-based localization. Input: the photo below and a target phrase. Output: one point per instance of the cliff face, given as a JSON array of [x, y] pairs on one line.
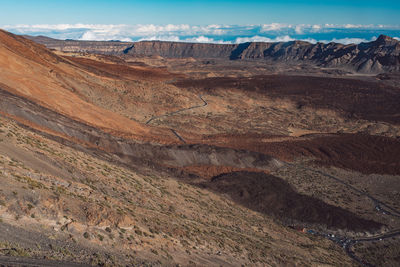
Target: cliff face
[[180, 50], [98, 47], [380, 55], [377, 56]]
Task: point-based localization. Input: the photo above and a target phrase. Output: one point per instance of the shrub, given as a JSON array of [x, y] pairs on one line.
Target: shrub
[[138, 232], [101, 238]]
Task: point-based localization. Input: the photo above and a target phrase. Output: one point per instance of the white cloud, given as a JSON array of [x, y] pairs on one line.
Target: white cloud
[[299, 29], [161, 38], [151, 29], [272, 27], [352, 26], [285, 38], [256, 38], [204, 39], [103, 36], [349, 40], [397, 38], [316, 27], [199, 39], [310, 40], [214, 33]]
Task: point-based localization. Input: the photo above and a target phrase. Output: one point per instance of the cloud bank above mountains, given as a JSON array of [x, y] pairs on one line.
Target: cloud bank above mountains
[[274, 32]]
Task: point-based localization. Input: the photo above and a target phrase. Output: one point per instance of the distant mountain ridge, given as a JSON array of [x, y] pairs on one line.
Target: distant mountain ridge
[[381, 55]]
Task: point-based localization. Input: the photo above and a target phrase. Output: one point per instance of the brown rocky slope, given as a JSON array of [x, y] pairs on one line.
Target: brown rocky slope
[[100, 105]]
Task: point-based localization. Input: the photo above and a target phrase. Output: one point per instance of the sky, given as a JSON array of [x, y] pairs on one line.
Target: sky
[[203, 21]]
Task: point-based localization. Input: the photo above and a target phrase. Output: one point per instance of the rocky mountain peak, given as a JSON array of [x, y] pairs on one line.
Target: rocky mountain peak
[[385, 40]]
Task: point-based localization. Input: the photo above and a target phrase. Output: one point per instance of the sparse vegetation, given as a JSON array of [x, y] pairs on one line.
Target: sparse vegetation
[[101, 238], [149, 196], [86, 235]]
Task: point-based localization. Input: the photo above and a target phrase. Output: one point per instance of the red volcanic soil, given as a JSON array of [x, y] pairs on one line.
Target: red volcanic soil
[[271, 195], [360, 152], [19, 46], [33, 73], [121, 70], [353, 98]]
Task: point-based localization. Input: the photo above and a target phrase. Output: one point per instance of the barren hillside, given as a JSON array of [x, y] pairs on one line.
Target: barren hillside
[[108, 157]]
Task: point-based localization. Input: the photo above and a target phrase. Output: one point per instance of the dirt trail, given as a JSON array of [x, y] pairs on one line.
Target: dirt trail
[[179, 111], [347, 242]]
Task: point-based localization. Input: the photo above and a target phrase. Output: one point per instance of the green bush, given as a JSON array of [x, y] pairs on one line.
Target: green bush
[[101, 238], [138, 232]]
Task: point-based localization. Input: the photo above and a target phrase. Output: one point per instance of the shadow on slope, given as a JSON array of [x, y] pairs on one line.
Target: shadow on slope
[[273, 196]]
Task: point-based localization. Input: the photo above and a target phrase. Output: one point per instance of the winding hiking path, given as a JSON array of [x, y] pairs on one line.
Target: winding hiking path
[[176, 112], [345, 242], [179, 111], [378, 204], [352, 242]]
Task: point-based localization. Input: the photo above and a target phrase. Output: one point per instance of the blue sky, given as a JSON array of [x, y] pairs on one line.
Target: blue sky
[[198, 12], [137, 20]]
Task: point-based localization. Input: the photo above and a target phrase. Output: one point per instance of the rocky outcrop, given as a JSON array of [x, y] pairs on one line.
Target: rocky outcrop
[[180, 50], [378, 56]]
